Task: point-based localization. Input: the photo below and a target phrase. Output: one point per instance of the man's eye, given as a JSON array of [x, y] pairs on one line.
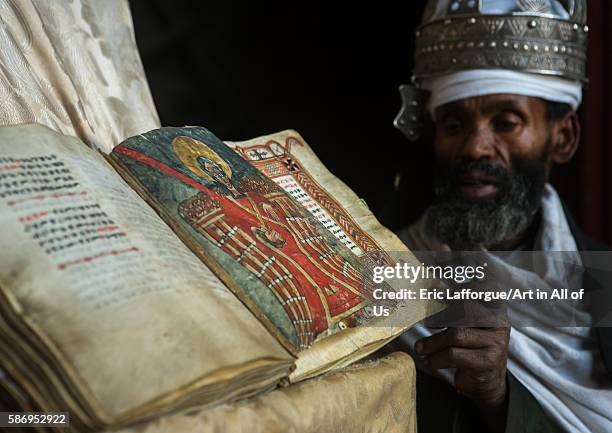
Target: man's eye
[[506, 124], [452, 127]]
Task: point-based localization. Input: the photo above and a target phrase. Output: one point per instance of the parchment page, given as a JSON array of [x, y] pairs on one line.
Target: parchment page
[[285, 158], [300, 280], [125, 307]]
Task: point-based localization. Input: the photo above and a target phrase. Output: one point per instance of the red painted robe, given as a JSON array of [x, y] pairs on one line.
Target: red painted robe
[[269, 237]]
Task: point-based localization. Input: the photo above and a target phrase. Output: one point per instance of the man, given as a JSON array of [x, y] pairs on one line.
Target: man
[[501, 81]]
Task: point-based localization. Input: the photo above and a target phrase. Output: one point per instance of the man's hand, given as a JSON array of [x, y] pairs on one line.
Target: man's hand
[[479, 356]]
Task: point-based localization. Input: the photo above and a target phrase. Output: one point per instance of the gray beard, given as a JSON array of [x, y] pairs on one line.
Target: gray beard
[[465, 223]]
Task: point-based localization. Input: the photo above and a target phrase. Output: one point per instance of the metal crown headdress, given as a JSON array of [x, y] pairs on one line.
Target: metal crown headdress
[[539, 36], [547, 37]]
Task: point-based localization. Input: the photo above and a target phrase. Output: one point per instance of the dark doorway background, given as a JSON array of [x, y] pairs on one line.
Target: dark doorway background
[[328, 69]]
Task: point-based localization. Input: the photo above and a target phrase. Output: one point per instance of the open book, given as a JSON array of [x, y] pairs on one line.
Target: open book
[[178, 270]]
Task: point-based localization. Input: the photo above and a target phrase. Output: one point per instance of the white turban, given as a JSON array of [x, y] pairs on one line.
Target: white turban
[[479, 82]]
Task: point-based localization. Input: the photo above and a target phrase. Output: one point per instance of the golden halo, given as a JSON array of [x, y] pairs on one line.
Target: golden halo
[[188, 150]]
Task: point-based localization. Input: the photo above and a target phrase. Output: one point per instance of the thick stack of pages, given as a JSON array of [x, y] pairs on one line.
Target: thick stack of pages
[[116, 315]]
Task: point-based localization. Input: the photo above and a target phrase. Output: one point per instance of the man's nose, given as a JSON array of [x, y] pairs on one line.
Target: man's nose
[[480, 143]]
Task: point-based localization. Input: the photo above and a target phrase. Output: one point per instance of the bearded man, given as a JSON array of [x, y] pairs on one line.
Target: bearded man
[[501, 81]]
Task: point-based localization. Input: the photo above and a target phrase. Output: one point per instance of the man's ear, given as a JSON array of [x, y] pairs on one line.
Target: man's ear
[[566, 136]]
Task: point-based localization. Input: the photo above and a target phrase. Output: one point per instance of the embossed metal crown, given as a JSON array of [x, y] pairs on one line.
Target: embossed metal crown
[[539, 36]]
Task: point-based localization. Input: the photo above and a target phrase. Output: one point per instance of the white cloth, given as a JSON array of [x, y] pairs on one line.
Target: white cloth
[[479, 82], [74, 66], [561, 367]]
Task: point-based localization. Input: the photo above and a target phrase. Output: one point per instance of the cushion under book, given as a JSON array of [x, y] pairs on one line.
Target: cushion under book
[[178, 270]]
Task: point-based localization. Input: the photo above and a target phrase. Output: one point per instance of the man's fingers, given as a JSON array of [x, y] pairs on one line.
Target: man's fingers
[[478, 355], [469, 338]]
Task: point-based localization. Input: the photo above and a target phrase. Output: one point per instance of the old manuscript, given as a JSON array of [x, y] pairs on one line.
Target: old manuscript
[[186, 271]]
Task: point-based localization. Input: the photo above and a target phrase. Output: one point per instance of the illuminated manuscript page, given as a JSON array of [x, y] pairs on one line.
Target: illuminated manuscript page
[[304, 282], [136, 320], [285, 158]]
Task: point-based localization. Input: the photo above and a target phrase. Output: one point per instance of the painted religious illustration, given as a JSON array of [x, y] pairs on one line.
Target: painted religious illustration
[[273, 158], [307, 281]]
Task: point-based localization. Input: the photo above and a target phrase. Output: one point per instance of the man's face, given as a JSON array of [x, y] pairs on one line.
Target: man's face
[[493, 157], [502, 129]]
